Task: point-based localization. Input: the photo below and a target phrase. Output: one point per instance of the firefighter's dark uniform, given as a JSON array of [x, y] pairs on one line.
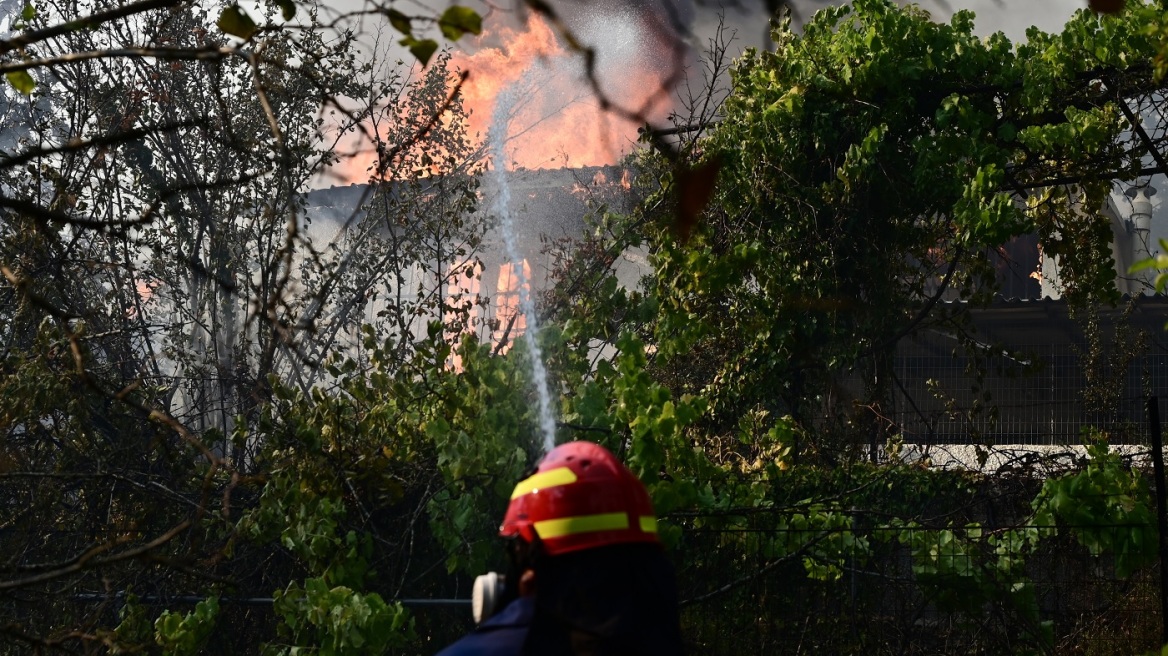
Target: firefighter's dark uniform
[[500, 635]]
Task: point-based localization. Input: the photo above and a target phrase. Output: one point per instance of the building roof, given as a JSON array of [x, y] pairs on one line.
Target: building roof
[[1048, 321]]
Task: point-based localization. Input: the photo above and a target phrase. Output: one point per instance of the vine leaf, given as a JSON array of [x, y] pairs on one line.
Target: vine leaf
[[287, 9], [422, 49], [400, 22], [234, 21], [1106, 6], [457, 21], [21, 81]]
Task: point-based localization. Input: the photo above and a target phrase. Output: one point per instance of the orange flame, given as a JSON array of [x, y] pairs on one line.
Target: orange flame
[[508, 314], [558, 120]]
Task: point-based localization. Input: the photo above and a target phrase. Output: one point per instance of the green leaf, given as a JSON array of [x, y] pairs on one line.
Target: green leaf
[[236, 22], [457, 21], [21, 81], [400, 22], [423, 50], [28, 13], [287, 9]]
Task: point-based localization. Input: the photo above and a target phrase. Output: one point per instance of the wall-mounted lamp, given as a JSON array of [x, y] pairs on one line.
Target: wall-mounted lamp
[[1140, 221]]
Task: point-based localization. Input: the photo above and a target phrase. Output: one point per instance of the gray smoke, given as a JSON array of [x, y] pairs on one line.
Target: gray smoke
[[695, 21], [749, 17]]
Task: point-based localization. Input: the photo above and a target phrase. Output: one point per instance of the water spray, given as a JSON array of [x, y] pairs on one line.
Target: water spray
[[498, 140]]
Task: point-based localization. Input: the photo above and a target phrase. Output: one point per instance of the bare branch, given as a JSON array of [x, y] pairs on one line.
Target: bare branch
[[90, 559], [87, 22], [173, 54]]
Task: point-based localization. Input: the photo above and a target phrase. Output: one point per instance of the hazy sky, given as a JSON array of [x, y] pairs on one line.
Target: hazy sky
[[1012, 17], [632, 62], [749, 18]]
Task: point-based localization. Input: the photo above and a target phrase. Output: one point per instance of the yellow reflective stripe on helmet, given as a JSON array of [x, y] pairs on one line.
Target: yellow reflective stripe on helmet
[[648, 524], [543, 480], [558, 528]]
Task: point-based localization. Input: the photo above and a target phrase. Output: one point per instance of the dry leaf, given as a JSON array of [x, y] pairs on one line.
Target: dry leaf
[[694, 188]]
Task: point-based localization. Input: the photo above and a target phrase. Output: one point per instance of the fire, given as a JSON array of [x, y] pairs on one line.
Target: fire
[[509, 316], [145, 289], [558, 120], [503, 314], [386, 146]]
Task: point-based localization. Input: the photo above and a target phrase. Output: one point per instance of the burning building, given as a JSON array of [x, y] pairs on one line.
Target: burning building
[[468, 274]]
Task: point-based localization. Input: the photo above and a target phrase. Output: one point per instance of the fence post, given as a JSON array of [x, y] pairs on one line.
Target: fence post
[[1161, 510]]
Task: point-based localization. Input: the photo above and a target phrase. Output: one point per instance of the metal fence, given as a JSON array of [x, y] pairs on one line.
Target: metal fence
[[1036, 394], [878, 591], [758, 585], [911, 591]]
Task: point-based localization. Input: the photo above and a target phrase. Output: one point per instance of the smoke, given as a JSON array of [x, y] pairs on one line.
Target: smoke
[[694, 21], [1012, 19], [569, 113], [643, 47], [572, 115]]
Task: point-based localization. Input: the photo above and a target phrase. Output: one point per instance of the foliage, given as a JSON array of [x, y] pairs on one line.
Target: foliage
[[483, 437], [163, 281], [186, 635], [338, 620], [235, 21], [1109, 506], [1157, 263], [868, 169], [196, 397]]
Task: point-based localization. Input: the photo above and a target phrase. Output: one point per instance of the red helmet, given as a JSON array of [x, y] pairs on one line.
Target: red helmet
[[580, 497]]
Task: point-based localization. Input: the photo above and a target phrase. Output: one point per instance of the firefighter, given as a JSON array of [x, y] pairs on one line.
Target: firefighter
[[587, 573]]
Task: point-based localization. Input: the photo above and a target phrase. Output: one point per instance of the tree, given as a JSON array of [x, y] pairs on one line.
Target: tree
[[200, 397], [162, 277], [175, 325], [867, 168]]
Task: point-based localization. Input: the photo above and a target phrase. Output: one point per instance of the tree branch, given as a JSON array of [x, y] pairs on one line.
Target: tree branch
[[180, 54], [88, 22], [89, 559]]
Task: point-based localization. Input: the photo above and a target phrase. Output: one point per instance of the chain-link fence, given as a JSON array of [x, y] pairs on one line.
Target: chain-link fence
[[761, 584], [1036, 394], [913, 591], [857, 590]]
